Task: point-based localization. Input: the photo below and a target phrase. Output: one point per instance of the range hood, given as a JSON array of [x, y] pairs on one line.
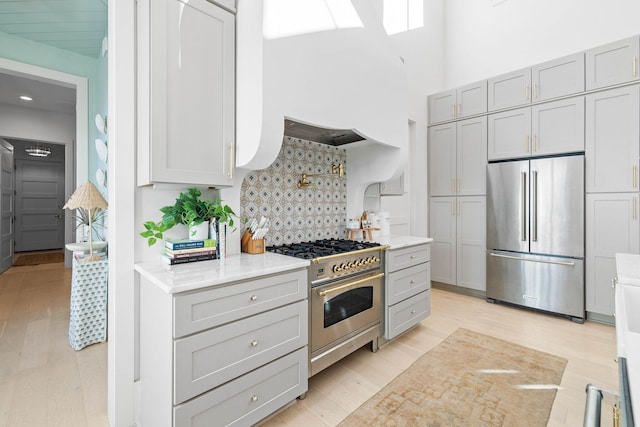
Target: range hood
[[334, 137]]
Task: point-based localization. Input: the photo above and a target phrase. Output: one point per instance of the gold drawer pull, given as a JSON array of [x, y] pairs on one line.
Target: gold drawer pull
[[254, 298], [254, 343], [413, 312], [254, 398]]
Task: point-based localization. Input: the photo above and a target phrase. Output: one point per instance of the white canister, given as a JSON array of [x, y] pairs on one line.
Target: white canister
[[353, 224]]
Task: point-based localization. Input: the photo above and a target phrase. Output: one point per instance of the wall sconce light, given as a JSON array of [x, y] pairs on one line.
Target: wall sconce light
[[335, 170], [38, 150]]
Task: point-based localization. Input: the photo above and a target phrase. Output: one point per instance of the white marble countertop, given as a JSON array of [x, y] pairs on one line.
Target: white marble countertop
[[196, 275], [397, 242]]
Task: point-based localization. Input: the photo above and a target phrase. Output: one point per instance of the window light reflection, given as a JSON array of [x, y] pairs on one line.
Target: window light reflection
[[285, 18]]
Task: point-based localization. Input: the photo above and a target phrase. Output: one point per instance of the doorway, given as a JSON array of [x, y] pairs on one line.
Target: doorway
[[39, 196]]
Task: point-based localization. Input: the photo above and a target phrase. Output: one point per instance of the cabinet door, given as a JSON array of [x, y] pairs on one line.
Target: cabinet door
[[442, 106], [612, 138], [442, 219], [472, 99], [612, 226], [558, 127], [613, 63], [509, 90], [471, 242], [471, 157], [188, 110], [509, 134], [559, 77], [442, 160]]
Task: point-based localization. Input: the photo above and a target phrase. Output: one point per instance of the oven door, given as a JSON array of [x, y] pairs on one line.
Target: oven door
[[343, 308]]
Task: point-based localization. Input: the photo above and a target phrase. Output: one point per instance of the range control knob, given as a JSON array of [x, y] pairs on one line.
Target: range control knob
[[335, 268]]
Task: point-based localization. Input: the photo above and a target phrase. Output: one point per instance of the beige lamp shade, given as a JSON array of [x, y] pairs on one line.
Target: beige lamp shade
[[86, 196]]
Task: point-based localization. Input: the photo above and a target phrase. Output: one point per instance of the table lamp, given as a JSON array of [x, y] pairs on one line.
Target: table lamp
[[87, 197]]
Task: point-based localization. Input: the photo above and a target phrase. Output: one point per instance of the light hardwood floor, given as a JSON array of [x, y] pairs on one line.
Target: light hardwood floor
[[43, 382]]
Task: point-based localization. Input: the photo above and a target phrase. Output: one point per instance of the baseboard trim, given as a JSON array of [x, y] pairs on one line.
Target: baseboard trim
[[459, 289]]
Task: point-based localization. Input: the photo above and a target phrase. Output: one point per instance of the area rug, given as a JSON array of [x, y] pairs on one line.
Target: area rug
[[469, 379], [38, 258]]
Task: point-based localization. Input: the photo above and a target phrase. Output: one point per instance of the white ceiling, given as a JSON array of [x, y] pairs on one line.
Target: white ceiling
[[74, 25]]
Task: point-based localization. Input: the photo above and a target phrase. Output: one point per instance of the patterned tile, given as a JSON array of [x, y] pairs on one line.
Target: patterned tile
[[297, 215]]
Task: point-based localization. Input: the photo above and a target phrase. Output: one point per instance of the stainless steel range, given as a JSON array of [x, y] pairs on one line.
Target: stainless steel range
[[345, 296]]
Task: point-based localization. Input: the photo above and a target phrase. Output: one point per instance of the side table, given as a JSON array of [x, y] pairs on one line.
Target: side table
[[88, 313]]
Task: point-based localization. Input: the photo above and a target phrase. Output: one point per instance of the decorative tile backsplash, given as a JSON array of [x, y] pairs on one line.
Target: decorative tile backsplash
[[298, 214]]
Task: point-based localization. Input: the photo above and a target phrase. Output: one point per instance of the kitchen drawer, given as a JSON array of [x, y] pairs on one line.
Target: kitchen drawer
[[407, 257], [406, 283], [250, 398], [208, 359], [201, 310], [407, 313]]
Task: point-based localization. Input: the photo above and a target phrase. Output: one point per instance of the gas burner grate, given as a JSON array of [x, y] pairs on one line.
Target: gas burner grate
[[320, 248]]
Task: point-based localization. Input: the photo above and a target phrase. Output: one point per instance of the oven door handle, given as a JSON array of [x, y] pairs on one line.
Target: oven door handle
[[324, 292]]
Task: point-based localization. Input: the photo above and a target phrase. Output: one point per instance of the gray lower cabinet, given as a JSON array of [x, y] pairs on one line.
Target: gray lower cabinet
[[225, 355], [407, 288]]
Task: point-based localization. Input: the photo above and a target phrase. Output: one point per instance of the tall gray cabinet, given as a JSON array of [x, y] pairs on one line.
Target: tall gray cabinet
[[585, 102]]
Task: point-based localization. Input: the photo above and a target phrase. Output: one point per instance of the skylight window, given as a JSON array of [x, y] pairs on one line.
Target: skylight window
[[402, 15], [285, 18]]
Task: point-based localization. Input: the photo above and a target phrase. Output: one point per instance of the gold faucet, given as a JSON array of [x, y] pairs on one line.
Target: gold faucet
[[335, 170]]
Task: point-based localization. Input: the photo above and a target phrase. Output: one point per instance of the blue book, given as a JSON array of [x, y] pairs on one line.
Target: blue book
[[176, 244]]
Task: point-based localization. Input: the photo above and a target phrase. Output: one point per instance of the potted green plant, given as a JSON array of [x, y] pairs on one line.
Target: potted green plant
[[190, 210]]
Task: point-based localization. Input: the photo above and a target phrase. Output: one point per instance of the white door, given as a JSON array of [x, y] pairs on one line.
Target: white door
[[6, 205], [39, 201]]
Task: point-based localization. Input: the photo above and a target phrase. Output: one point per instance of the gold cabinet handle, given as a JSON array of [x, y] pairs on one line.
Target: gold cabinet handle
[[459, 109], [634, 66], [453, 109], [635, 176], [535, 90], [535, 142], [527, 144], [526, 91], [232, 161]]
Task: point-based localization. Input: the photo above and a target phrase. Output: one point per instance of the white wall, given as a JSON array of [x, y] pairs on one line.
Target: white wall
[[482, 41], [25, 123], [423, 53]]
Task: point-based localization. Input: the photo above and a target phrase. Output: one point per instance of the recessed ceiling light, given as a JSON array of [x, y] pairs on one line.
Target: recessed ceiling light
[[26, 98]]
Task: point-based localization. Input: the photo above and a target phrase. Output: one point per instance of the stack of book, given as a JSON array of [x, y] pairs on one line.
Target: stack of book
[[184, 251]]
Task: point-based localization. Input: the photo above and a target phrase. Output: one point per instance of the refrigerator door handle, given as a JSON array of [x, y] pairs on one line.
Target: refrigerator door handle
[[523, 222], [568, 264], [534, 207]]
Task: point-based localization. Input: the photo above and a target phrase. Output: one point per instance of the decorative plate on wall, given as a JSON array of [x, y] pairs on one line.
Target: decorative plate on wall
[[101, 149], [101, 123], [101, 177]]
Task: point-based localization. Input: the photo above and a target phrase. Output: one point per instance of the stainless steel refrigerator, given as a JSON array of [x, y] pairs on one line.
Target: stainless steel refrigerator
[[535, 234]]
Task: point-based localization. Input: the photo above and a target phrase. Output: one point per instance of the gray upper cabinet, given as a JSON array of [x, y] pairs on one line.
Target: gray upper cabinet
[[472, 99], [560, 77], [442, 106], [613, 63], [612, 136], [558, 127], [186, 109], [458, 158], [464, 101], [509, 90], [509, 134]]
